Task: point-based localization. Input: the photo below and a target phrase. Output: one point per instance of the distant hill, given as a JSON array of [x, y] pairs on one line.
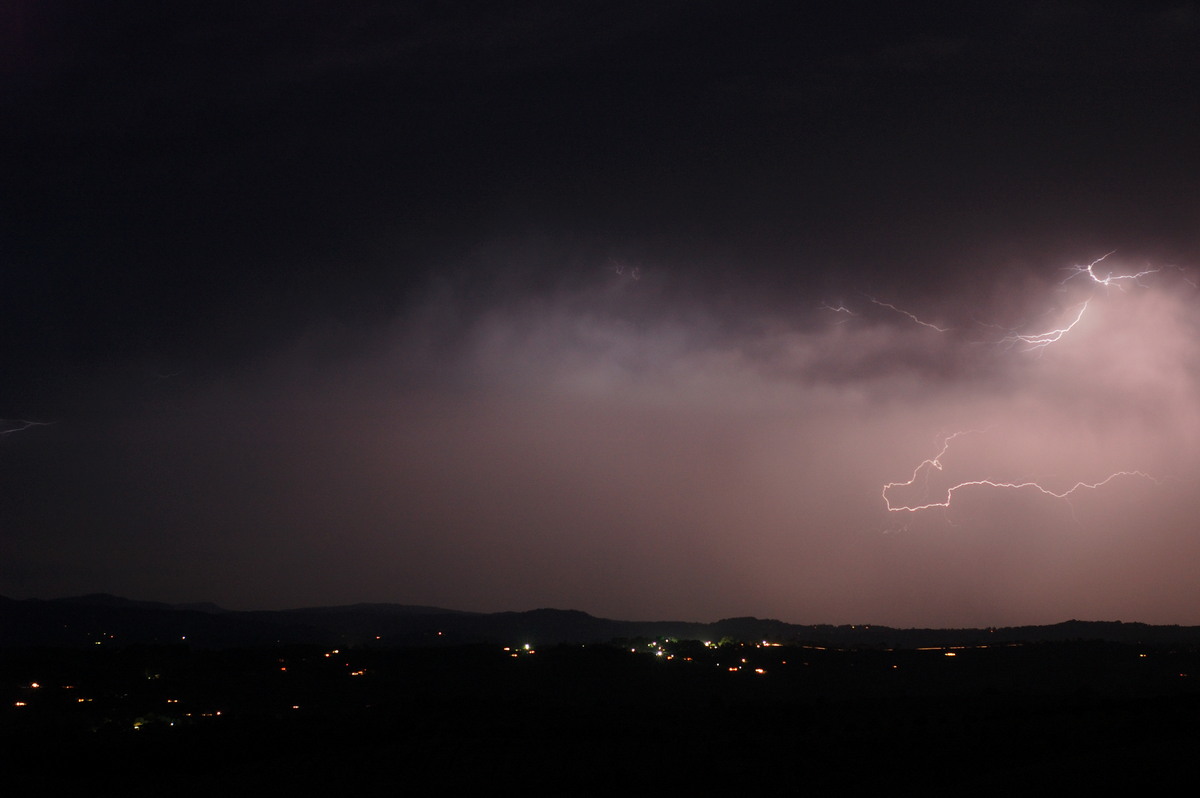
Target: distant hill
[[102, 619]]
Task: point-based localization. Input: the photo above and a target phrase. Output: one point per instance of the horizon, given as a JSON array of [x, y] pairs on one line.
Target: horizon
[[191, 605], [811, 311]]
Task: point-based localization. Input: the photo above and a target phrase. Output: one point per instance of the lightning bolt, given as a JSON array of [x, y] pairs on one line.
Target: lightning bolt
[[9, 426], [837, 309], [1034, 341], [1044, 339], [935, 463], [901, 311], [1110, 279], [944, 498]]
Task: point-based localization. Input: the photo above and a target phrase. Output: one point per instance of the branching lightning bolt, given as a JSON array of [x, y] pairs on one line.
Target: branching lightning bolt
[[1036, 341], [1042, 340], [1110, 279], [9, 426], [935, 463]]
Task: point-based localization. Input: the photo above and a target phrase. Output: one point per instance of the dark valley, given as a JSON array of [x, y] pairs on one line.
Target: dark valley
[[536, 699]]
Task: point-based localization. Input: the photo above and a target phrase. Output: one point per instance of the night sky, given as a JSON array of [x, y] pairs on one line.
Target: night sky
[[656, 310]]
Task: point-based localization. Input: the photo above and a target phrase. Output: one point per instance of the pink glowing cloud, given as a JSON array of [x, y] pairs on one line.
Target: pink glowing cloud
[[617, 449]]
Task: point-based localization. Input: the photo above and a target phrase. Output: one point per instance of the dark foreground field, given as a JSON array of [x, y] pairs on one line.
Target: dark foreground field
[[642, 717]]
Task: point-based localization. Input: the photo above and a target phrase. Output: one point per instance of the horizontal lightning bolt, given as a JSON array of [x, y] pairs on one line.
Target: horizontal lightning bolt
[[1035, 340], [9, 426], [910, 315], [936, 463], [838, 309], [1110, 278], [1066, 494]]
